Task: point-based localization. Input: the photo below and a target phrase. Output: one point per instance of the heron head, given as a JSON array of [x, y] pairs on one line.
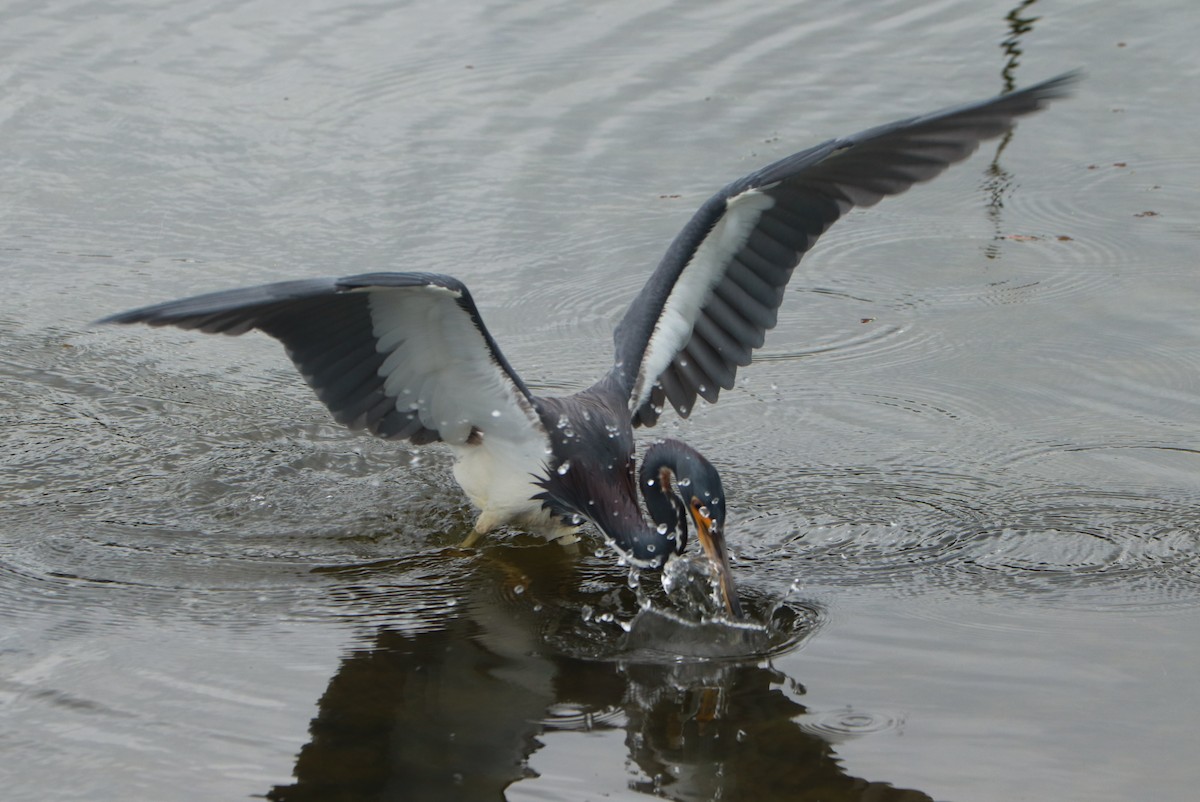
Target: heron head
[[679, 485]]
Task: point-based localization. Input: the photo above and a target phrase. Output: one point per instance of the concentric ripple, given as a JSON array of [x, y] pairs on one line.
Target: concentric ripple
[[839, 725], [933, 533]]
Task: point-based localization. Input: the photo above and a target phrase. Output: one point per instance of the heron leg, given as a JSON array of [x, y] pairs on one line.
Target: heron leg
[[485, 523]]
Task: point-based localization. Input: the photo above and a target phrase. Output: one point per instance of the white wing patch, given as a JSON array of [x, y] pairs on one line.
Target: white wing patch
[[439, 364], [695, 285]]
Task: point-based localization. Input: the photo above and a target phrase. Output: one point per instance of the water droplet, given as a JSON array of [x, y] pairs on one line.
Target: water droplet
[[741, 736], [685, 482], [649, 483], [606, 618], [662, 529], [585, 612], [518, 589], [683, 363], [495, 413], [562, 469], [700, 388]]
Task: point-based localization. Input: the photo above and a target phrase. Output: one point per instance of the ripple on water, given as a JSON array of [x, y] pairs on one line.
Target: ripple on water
[[1146, 195], [565, 716], [583, 607], [1115, 548], [99, 585], [657, 635], [184, 497], [530, 597], [836, 726], [902, 262], [1068, 229], [876, 518], [865, 339], [1141, 376], [931, 533]]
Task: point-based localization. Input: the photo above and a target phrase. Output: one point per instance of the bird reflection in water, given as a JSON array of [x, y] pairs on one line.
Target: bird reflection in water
[[441, 706]]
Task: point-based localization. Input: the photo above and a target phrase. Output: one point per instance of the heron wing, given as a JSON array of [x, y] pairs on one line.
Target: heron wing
[[716, 291], [402, 355]]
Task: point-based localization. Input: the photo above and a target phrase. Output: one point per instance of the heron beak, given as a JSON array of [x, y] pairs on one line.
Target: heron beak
[[713, 541]]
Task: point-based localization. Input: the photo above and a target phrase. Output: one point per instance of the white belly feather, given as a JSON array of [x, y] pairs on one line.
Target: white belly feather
[[498, 477]]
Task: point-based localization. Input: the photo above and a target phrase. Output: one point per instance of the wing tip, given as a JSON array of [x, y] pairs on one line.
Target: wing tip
[[130, 317], [1058, 86], [119, 319]]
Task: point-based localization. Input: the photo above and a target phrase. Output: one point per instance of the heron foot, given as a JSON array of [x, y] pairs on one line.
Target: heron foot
[[470, 540], [485, 523]]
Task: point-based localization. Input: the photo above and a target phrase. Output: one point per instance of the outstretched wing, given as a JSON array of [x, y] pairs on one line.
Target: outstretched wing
[[403, 355], [715, 293]]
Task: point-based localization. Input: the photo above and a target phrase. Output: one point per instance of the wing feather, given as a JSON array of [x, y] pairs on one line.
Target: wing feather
[[402, 355], [718, 288]]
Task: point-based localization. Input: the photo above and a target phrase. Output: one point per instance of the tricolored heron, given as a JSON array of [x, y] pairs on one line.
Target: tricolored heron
[[406, 356]]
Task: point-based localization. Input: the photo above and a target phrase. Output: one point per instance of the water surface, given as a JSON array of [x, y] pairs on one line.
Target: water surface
[[966, 463]]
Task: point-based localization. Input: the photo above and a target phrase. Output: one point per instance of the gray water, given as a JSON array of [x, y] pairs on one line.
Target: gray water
[[964, 472]]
